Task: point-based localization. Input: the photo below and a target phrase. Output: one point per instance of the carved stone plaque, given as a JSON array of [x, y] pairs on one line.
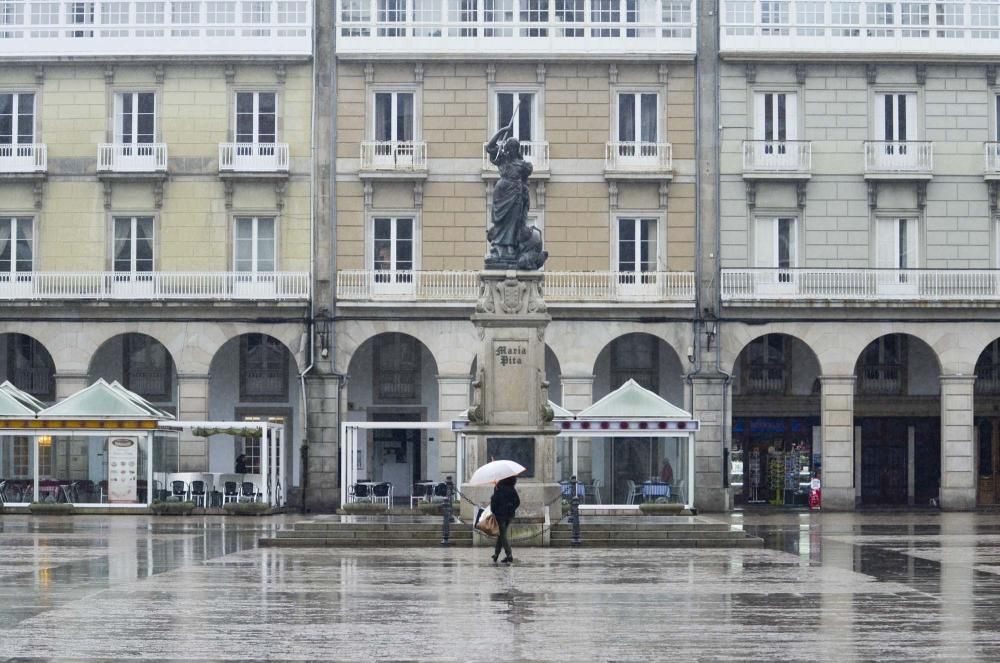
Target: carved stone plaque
[[511, 370]]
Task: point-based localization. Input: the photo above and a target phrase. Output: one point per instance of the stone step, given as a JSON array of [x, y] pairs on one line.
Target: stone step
[[666, 536], [375, 527], [360, 534], [647, 527], [322, 542], [373, 530], [672, 543]]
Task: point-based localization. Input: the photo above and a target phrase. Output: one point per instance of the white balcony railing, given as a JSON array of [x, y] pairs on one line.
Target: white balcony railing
[[777, 157], [807, 286], [860, 28], [23, 158], [535, 152], [463, 287], [895, 157], [635, 157], [132, 157], [992, 153], [268, 28], [393, 155], [253, 157], [587, 27], [212, 286]]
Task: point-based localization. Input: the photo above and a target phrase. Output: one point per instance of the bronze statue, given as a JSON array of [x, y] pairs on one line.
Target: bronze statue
[[513, 243]]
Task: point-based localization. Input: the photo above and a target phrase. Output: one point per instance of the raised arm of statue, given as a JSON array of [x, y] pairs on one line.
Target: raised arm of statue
[[493, 147]]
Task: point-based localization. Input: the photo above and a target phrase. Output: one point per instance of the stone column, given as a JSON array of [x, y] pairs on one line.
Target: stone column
[[453, 401], [837, 418], [322, 434], [958, 468], [710, 392], [578, 394], [192, 405]]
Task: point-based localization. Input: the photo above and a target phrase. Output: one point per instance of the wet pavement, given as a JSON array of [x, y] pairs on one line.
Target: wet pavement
[[844, 587]]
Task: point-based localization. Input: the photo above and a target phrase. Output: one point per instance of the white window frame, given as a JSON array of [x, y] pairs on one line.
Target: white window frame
[[133, 218], [256, 92], [792, 115], [254, 239], [393, 282], [778, 279], [637, 215], [15, 220], [895, 280], [15, 98], [395, 90], [996, 241], [117, 132], [661, 129], [537, 116], [914, 128]]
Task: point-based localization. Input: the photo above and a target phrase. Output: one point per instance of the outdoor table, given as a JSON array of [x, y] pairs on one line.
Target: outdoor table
[[654, 489], [567, 489]]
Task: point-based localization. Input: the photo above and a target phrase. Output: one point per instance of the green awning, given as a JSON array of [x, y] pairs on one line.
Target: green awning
[[104, 401], [631, 401], [18, 404]]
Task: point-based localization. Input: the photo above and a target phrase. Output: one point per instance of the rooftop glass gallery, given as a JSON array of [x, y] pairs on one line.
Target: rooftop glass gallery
[[512, 26], [48, 28]]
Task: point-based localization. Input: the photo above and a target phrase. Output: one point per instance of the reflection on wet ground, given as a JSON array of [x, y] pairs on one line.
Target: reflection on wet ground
[[886, 586]]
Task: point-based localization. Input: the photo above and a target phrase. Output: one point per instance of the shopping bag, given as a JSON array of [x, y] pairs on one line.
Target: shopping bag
[[487, 523]]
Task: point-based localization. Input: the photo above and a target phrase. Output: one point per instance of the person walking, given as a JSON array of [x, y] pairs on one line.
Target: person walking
[[504, 505]]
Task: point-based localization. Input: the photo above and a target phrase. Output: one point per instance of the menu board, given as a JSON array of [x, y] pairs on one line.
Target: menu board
[[123, 468]]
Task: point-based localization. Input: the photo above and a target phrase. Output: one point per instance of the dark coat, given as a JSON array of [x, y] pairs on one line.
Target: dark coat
[[504, 502]]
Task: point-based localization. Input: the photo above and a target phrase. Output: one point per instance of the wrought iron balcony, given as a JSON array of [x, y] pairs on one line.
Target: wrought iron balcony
[[132, 158], [988, 379], [210, 286], [769, 379], [899, 159], [23, 158], [253, 157], [860, 29], [881, 379], [462, 287], [393, 156], [131, 28], [535, 152], [639, 159], [607, 28], [806, 286], [777, 159]]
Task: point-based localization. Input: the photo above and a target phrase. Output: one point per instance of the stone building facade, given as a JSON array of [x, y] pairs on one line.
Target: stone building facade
[[156, 212]]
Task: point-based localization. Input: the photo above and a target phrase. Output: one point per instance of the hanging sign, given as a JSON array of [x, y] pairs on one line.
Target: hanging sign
[[123, 469]]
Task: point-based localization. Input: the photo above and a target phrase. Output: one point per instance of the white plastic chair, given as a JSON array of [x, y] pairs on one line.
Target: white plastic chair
[[633, 492]]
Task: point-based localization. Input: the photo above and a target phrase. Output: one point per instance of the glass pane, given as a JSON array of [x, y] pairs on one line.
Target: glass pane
[[382, 255], [649, 118], [524, 117], [23, 249], [626, 118], [5, 244], [404, 228], [404, 117], [781, 117], [383, 116], [626, 245], [648, 246], [505, 108], [26, 118], [123, 245], [785, 240], [244, 102], [985, 448], [266, 102], [266, 131]]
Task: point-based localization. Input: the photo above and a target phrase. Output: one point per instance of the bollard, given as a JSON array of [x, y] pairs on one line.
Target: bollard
[[574, 514], [446, 515]]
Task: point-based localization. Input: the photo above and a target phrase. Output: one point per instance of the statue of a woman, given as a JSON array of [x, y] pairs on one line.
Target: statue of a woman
[[510, 199]]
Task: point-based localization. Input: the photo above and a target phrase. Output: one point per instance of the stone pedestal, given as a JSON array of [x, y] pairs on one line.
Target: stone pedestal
[[510, 417]]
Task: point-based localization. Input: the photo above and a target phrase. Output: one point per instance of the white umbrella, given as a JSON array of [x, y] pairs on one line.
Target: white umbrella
[[495, 471]]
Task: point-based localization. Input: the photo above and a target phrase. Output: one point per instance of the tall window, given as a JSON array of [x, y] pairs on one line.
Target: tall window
[[80, 13], [394, 116], [148, 367], [133, 244], [17, 118], [764, 367], [255, 246], [252, 445], [637, 245], [635, 357], [20, 459], [135, 120], [263, 369], [898, 241], [776, 119], [776, 244], [883, 365], [29, 367], [393, 244], [896, 116], [638, 117], [16, 246], [397, 368], [524, 117], [256, 117]]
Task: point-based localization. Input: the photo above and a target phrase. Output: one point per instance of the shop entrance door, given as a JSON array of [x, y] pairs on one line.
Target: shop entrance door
[[396, 454], [988, 441]]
